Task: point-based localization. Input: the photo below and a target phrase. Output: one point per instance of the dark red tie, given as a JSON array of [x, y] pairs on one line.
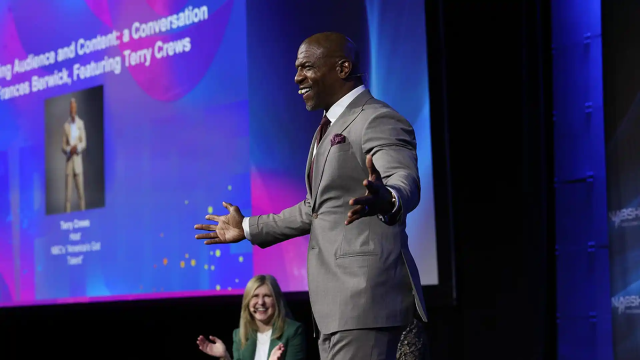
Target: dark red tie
[[322, 129]]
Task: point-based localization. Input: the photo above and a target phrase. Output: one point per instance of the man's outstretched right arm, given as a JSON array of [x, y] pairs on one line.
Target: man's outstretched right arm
[[270, 229]]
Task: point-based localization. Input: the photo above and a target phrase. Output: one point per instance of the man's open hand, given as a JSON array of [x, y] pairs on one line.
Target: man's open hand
[[229, 228], [377, 199]]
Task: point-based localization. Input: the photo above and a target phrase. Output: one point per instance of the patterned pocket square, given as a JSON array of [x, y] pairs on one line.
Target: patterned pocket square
[[337, 139]]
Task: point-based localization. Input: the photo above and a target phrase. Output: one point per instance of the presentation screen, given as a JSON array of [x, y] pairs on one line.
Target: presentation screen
[[124, 123]]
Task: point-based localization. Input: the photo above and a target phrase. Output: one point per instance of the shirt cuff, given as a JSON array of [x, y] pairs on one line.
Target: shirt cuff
[[395, 208], [393, 214], [245, 227]]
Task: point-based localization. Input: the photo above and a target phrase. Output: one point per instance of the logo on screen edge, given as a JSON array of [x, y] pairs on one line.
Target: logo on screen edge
[[625, 217], [626, 304]]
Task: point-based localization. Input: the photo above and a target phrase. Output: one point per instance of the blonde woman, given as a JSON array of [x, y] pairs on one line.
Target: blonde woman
[[265, 332]]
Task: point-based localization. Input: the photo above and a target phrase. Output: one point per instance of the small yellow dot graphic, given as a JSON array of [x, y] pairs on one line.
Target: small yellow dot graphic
[[241, 259], [229, 288], [210, 209], [186, 256], [164, 261], [212, 267], [181, 264], [210, 252], [218, 253], [186, 202], [206, 266], [217, 287], [237, 280], [229, 187], [193, 262]]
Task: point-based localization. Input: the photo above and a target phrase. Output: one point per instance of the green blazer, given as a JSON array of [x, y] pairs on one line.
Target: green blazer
[[293, 339]]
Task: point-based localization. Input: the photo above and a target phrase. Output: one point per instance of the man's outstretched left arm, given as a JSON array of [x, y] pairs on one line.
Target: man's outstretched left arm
[[391, 141]]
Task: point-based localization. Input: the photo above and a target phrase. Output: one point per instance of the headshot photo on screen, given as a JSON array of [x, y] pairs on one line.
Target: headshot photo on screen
[[74, 154]]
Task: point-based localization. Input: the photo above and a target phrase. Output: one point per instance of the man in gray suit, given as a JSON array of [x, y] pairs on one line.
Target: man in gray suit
[[363, 282]]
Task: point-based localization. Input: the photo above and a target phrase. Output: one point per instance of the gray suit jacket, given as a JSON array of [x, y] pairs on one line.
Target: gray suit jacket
[[361, 275]]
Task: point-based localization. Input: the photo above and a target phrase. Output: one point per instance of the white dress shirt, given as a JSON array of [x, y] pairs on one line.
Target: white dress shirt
[[73, 129], [334, 112], [74, 132], [262, 349], [338, 108]]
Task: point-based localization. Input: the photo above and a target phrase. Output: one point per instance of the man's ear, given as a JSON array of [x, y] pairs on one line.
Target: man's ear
[[344, 68]]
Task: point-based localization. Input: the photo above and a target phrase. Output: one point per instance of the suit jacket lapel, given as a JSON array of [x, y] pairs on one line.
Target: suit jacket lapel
[[249, 351], [309, 158], [67, 134], [272, 344], [339, 125]]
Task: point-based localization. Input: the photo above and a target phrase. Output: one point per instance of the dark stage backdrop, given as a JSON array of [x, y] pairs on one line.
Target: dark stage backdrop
[[621, 75]]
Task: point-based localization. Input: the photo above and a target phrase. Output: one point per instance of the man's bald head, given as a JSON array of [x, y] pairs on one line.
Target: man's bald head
[[336, 46], [328, 67]]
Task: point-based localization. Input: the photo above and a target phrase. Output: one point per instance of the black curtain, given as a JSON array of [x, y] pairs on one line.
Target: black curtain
[[495, 83]]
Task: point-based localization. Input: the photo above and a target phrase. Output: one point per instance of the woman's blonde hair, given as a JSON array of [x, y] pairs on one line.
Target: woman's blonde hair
[[248, 325]]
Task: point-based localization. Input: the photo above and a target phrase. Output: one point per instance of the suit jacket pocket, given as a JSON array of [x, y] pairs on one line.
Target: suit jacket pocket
[[339, 148], [356, 240]]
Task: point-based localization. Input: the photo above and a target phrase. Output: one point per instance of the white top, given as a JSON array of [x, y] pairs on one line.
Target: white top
[[262, 349]]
